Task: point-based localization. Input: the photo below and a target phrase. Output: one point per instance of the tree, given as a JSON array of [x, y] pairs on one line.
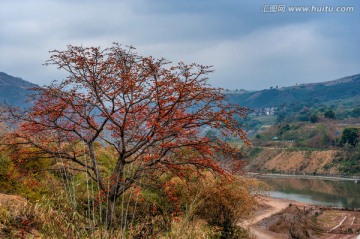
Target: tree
[[280, 117], [355, 113], [329, 114], [314, 118], [149, 113], [350, 136]]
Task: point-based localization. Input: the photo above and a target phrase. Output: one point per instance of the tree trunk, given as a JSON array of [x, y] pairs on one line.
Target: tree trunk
[[111, 211]]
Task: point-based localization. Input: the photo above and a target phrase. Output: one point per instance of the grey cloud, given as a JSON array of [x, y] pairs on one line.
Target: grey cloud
[[248, 49]]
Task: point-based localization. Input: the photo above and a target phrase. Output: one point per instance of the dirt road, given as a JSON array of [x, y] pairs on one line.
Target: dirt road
[[269, 207]]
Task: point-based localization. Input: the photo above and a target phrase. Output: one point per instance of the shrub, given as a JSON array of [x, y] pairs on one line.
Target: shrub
[[224, 204], [329, 114], [314, 118], [350, 136]]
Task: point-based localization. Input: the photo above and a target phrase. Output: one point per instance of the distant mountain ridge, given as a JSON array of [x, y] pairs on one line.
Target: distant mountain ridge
[[346, 87], [14, 91]]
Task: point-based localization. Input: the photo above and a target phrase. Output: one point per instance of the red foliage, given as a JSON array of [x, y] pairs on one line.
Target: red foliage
[[150, 112]]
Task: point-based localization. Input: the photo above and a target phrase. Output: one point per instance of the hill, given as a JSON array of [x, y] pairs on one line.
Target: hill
[[14, 90], [346, 87]]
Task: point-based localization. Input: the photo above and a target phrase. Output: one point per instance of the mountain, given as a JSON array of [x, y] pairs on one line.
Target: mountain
[[14, 90], [346, 87]]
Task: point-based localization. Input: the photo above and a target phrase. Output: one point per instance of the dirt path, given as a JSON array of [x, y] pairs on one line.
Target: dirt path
[[269, 207], [262, 233]]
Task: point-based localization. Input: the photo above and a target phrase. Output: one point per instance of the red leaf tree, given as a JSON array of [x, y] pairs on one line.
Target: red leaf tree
[[151, 114]]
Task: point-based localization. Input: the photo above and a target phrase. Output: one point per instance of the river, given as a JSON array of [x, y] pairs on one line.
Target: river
[[327, 192]]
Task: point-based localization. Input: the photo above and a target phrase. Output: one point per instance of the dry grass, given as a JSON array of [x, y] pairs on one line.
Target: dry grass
[[40, 220], [184, 229], [52, 216]]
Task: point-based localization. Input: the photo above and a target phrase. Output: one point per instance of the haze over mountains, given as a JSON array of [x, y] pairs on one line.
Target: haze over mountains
[[14, 91]]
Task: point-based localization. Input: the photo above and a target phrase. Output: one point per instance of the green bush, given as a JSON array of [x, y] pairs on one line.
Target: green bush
[[329, 114], [8, 183], [350, 136], [314, 118], [255, 152], [349, 160]]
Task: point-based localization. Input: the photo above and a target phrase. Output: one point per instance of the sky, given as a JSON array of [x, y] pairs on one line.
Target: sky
[[251, 44]]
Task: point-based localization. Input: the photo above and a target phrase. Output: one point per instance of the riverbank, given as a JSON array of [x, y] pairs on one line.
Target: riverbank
[[306, 176], [314, 190], [273, 216]]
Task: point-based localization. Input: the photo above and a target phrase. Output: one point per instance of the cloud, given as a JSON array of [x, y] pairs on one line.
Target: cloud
[[249, 49], [282, 56]]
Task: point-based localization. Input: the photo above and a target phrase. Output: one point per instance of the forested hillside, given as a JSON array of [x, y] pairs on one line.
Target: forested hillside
[[347, 87], [14, 90]]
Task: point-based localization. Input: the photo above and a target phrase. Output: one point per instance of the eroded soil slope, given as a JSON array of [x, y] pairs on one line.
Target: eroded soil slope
[[299, 162]]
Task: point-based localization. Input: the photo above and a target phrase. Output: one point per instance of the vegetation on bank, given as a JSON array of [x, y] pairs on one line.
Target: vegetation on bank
[[63, 204], [304, 138]]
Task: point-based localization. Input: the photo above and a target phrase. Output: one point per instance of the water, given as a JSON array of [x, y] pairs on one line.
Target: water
[[316, 191]]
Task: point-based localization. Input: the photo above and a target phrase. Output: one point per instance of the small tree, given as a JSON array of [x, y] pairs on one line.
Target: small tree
[[150, 114], [329, 114], [355, 113], [350, 136], [314, 118]]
